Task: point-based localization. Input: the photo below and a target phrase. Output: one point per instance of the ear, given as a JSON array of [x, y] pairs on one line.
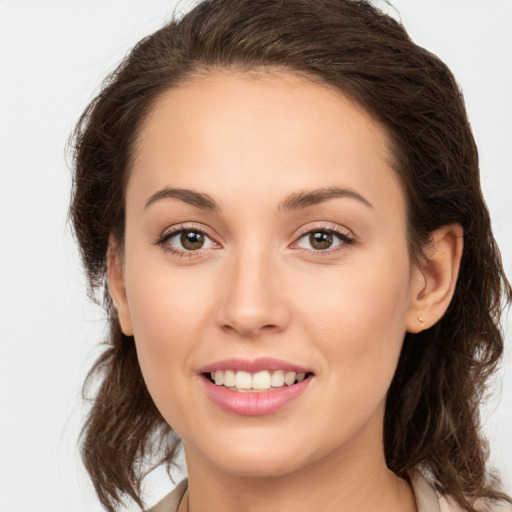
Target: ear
[[117, 287], [434, 280]]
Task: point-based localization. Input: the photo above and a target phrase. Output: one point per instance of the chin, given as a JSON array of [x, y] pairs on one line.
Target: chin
[[260, 466], [248, 454]]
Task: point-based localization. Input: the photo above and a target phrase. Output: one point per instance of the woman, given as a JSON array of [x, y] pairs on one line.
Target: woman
[[282, 201]]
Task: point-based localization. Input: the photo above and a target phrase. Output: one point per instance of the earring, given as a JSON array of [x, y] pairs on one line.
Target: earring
[[422, 322]]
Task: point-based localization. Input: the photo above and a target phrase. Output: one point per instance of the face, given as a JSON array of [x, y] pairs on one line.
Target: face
[[265, 239]]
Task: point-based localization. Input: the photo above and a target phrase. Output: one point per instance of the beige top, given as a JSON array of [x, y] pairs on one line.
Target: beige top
[[427, 499]]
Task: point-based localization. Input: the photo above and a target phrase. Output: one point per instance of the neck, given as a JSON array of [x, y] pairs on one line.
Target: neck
[[342, 481]]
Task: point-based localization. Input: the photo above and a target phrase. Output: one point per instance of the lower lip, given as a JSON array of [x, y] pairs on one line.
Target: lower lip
[[255, 404]]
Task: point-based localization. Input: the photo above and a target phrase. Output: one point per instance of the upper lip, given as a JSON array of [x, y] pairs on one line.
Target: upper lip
[[254, 365]]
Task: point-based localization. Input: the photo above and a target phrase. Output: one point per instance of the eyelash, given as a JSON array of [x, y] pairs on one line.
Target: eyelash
[[162, 241], [345, 240]]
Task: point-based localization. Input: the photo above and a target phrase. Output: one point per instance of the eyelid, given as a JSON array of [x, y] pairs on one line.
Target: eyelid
[[345, 236], [172, 231], [324, 226], [185, 226]]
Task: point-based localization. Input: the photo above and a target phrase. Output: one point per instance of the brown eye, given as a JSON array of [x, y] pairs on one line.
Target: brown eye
[[187, 241], [320, 240], [191, 240], [326, 240]]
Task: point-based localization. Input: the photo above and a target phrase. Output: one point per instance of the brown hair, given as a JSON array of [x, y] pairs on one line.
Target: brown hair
[[432, 414]]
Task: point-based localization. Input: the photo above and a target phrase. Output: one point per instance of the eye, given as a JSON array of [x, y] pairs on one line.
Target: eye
[[323, 240], [186, 240]]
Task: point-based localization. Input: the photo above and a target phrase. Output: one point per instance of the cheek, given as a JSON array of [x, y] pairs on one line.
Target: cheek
[[357, 325], [165, 301], [163, 309], [168, 311], [358, 322]]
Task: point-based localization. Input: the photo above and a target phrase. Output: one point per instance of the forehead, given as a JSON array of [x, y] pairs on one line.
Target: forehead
[[232, 132]]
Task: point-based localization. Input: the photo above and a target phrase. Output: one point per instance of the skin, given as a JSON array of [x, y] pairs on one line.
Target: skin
[[256, 288]]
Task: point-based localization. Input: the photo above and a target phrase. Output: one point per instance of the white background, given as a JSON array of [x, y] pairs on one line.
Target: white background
[[53, 55]]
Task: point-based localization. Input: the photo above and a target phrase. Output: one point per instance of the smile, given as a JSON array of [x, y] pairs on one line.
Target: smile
[[254, 388], [258, 382]]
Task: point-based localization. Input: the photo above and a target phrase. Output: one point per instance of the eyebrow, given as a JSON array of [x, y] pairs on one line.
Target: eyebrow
[[197, 199], [299, 200], [295, 201]]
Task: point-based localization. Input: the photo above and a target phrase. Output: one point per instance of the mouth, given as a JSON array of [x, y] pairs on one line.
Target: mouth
[[246, 382], [255, 388]]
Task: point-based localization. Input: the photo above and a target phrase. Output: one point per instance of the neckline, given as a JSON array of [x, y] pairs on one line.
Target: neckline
[[424, 494]]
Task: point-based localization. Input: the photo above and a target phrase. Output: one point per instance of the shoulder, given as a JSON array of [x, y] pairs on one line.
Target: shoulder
[[429, 500], [448, 505], [171, 502]]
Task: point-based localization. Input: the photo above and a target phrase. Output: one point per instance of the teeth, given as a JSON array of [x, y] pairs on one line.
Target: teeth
[[289, 378], [219, 378], [243, 380], [260, 381], [278, 379], [229, 378]]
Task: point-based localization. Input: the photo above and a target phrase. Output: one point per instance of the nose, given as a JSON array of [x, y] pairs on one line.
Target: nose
[[252, 295]]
